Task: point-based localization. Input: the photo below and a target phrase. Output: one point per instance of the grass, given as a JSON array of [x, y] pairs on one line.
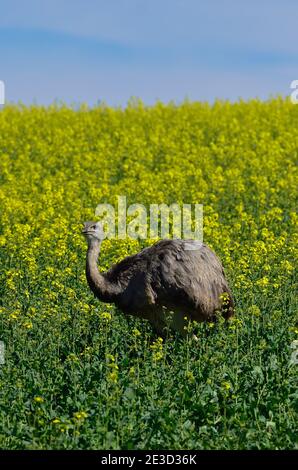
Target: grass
[[80, 375]]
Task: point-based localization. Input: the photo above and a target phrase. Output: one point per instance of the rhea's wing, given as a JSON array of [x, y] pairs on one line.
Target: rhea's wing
[[193, 278], [132, 274]]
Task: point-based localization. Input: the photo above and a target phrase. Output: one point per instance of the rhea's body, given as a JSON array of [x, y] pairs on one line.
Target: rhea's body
[[170, 279]]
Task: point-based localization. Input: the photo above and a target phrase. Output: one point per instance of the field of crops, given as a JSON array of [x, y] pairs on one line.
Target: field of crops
[[80, 375]]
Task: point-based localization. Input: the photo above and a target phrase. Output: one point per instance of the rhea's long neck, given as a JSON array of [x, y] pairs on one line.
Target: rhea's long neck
[[102, 288]]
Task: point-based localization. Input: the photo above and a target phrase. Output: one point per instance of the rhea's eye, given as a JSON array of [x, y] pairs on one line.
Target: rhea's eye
[[93, 227]]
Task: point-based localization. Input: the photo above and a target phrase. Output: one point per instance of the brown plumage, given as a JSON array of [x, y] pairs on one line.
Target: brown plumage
[[164, 283]]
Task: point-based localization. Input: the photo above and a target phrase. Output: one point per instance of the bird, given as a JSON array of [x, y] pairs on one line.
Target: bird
[[170, 283]]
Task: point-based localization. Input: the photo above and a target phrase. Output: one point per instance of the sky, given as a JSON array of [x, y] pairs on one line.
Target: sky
[[111, 50]]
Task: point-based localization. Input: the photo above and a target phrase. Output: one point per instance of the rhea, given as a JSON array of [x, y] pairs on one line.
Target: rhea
[[168, 283]]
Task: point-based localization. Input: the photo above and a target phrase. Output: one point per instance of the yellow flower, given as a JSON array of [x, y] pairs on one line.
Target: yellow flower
[[110, 357], [254, 310], [226, 385], [105, 316], [80, 415], [157, 348], [263, 282], [113, 376], [38, 399], [190, 377], [136, 332]]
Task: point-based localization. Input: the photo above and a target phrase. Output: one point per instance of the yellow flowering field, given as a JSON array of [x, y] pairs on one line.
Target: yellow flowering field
[[76, 373]]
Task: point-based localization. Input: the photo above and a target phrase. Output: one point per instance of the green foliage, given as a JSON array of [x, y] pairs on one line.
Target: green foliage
[[80, 375]]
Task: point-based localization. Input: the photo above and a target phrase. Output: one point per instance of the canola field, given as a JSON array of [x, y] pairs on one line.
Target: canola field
[[76, 373]]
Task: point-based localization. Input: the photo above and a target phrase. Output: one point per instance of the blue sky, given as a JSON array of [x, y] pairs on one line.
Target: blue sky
[[87, 51]]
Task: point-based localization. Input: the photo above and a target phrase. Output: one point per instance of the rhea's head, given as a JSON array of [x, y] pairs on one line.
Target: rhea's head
[[93, 231]]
